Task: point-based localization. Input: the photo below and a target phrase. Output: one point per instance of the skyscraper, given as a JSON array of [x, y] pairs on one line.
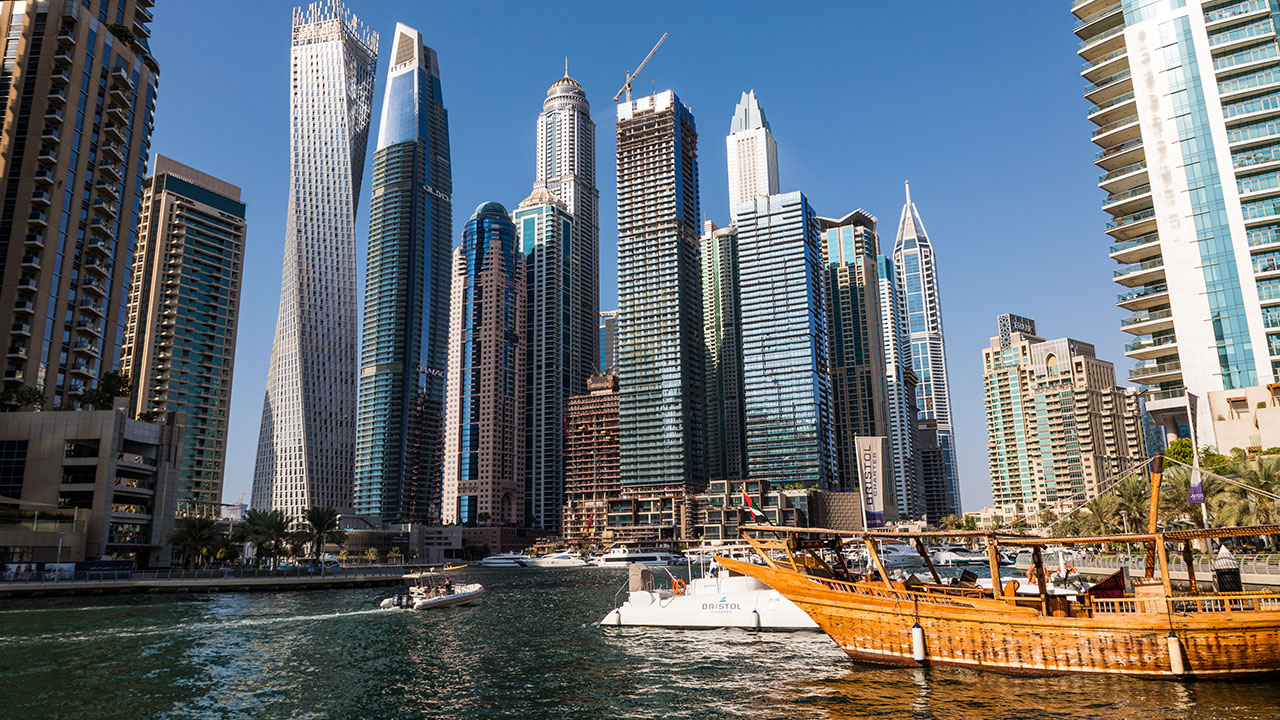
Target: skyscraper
[[906, 440], [485, 455], [784, 342], [545, 232], [608, 342], [659, 295], [566, 167], [752, 153], [722, 334], [591, 457], [1059, 429], [917, 270], [406, 304], [306, 447], [79, 98], [1182, 97], [857, 345], [184, 303]]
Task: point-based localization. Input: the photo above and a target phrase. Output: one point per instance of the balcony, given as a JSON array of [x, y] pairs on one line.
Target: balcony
[[107, 188], [82, 345], [1108, 180], [116, 91], [1266, 265], [57, 96], [1144, 297], [100, 227], [14, 375], [1117, 156], [1170, 398], [1147, 348], [17, 351], [27, 282], [38, 219], [83, 369], [1103, 65], [96, 265], [76, 387], [112, 151], [41, 199], [1133, 224], [51, 135], [31, 261], [1151, 321], [1241, 36], [100, 205], [114, 130], [1094, 17], [24, 306], [34, 240], [94, 286], [1116, 107], [59, 77], [144, 13], [1103, 42], [47, 156], [89, 326], [122, 76], [1122, 130], [109, 170], [1261, 238], [20, 328], [89, 305], [1140, 273], [98, 245], [43, 177], [1128, 201], [1152, 373], [1109, 87], [140, 27], [67, 37], [118, 113], [1237, 11], [62, 57], [53, 115]]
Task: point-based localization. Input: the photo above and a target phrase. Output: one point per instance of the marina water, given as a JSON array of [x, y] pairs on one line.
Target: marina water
[[529, 649]]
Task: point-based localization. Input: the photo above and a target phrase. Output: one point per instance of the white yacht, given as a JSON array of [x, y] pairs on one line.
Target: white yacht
[[715, 600], [504, 560], [623, 556], [892, 555], [948, 555], [554, 560]]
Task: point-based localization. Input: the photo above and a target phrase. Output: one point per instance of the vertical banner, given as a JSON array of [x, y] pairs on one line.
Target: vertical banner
[[871, 479], [1196, 493]]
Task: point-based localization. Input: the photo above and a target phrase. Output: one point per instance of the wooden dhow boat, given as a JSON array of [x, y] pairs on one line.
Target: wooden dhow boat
[[1151, 631]]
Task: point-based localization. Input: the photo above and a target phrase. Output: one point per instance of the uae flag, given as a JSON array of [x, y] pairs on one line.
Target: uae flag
[[755, 514]]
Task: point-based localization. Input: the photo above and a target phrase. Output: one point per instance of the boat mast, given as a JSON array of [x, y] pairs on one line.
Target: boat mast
[[1157, 466]]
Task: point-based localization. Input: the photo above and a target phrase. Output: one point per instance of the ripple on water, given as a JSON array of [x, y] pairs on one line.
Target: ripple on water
[[529, 649]]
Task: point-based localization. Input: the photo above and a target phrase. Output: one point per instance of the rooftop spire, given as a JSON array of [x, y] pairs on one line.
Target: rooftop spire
[[907, 183], [566, 66], [748, 115]]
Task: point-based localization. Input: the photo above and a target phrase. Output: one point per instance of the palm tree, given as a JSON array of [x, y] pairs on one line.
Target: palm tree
[[950, 522], [320, 525], [266, 529], [1104, 514], [1134, 494], [193, 534]]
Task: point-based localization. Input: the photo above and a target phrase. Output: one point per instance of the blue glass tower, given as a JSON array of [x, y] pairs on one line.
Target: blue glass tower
[[406, 314], [784, 342]]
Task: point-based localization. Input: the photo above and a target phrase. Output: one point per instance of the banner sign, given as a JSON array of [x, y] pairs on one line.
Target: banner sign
[[871, 479], [1196, 493]]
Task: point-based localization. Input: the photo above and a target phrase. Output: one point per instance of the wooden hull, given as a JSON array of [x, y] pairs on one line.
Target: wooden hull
[[991, 634]]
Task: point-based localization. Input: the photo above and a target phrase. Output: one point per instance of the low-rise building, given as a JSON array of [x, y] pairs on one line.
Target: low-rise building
[[1246, 418], [88, 485]]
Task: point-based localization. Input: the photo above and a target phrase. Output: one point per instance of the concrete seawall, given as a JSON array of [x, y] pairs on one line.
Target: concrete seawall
[[196, 585]]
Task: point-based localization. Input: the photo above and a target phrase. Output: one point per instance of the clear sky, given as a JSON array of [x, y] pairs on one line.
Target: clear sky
[[977, 104]]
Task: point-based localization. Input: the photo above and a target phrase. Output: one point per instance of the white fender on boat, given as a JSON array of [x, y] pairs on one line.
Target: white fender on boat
[[1176, 663], [755, 616], [917, 643], [386, 603]]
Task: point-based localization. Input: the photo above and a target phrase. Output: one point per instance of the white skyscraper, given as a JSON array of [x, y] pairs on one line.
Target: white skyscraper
[[752, 152], [1184, 101], [918, 283], [306, 446]]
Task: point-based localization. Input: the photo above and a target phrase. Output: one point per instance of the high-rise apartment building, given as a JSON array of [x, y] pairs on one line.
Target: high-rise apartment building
[[784, 342], [591, 457], [916, 265], [1183, 96], [79, 89], [566, 167], [608, 342], [1058, 428], [722, 334], [184, 303], [306, 445], [900, 384], [544, 230], [406, 304], [659, 295], [484, 452], [856, 342], [752, 153]]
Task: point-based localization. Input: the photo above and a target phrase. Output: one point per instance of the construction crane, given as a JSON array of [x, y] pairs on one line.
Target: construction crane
[[626, 86]]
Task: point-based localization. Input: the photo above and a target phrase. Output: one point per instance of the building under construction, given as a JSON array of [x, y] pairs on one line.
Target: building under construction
[[591, 457]]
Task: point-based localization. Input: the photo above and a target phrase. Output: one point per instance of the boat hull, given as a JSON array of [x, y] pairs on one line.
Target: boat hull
[[740, 602], [991, 634]]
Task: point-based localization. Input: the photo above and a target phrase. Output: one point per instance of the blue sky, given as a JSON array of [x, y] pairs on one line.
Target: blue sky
[[977, 104]]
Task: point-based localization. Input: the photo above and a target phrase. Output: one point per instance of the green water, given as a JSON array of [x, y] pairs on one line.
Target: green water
[[529, 649]]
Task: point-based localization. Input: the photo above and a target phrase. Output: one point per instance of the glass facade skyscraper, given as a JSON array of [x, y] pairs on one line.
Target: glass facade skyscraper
[[659, 295], [900, 383], [545, 232], [484, 449], [917, 270], [406, 307], [784, 342], [722, 333], [1184, 97], [184, 304], [306, 445]]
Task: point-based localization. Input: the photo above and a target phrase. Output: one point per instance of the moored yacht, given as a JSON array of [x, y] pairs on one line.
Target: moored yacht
[[554, 560], [716, 600], [622, 556], [504, 560]]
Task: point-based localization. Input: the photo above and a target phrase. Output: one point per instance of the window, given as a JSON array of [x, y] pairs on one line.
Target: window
[[82, 448]]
